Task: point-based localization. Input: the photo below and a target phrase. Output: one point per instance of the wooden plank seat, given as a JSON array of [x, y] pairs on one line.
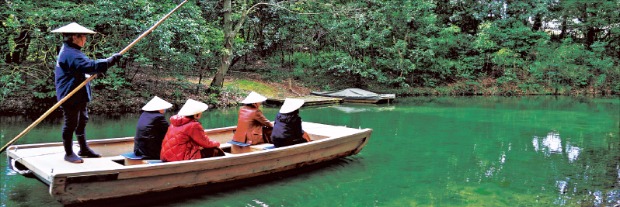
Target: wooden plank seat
[[133, 159], [153, 161], [240, 144], [264, 146], [130, 158], [240, 147]]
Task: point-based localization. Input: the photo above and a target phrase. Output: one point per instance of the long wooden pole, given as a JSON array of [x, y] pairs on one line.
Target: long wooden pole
[[49, 111]]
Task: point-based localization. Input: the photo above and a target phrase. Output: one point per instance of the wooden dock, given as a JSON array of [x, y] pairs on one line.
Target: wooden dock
[[310, 100]]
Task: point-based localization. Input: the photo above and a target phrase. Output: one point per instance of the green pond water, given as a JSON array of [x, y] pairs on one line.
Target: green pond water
[[424, 151]]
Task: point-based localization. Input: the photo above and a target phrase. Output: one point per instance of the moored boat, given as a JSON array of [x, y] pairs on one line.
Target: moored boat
[[356, 95], [114, 175]]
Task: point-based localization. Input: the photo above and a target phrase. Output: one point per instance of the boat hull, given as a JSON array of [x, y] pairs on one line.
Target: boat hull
[[117, 180]]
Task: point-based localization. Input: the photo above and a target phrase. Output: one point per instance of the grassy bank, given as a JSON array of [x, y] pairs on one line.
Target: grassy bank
[[130, 97]]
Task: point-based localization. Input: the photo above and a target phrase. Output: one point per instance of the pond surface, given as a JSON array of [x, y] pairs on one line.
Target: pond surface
[[424, 151]]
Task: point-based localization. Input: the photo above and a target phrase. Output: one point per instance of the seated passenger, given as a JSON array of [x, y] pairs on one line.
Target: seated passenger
[[151, 129], [186, 139], [287, 127], [252, 126]]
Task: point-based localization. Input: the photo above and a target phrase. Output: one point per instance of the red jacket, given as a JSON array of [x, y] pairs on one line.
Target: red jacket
[[184, 139], [250, 125]]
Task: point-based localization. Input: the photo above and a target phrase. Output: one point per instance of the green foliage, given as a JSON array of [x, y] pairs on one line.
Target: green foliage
[[402, 44], [414, 47], [43, 89], [565, 66], [112, 80], [10, 83], [181, 44]]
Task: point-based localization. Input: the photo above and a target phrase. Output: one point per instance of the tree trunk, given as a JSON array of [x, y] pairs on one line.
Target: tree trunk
[[537, 22], [228, 53], [590, 36], [200, 71], [281, 56], [229, 34], [564, 29], [20, 51], [590, 30]]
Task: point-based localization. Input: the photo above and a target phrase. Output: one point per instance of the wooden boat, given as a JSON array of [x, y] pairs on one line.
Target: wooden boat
[[309, 100], [114, 176], [356, 95]]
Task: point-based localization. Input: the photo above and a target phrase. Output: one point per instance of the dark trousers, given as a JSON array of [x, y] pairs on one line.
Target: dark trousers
[[291, 141], [75, 119], [267, 134], [211, 152]]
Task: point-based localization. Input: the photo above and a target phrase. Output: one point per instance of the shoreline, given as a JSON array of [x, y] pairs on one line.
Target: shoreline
[[13, 107]]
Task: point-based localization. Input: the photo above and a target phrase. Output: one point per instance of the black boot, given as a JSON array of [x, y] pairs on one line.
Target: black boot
[[85, 151], [69, 155], [72, 158]]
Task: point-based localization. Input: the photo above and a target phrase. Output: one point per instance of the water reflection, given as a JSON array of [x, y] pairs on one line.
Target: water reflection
[[349, 110], [552, 144], [572, 152], [493, 169], [359, 109], [420, 154], [574, 183]]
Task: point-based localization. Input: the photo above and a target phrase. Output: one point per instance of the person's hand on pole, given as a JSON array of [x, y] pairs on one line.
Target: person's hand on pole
[[112, 60]]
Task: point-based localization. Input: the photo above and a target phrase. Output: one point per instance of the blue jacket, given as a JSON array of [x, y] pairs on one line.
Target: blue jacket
[[150, 132], [70, 70], [287, 129]]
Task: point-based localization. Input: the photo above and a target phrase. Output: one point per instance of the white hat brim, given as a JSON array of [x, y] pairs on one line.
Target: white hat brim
[[73, 28], [156, 104], [254, 97], [192, 107], [291, 104]]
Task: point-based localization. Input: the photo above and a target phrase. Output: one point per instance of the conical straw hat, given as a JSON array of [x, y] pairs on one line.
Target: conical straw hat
[[192, 107], [291, 104], [156, 104], [253, 97], [73, 28]]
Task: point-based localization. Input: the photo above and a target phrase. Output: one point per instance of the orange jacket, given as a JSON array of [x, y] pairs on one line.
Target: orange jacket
[[250, 125], [183, 140]]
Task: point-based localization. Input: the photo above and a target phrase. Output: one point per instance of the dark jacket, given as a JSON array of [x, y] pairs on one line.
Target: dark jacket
[[184, 139], [287, 129], [150, 131], [70, 70], [250, 125]]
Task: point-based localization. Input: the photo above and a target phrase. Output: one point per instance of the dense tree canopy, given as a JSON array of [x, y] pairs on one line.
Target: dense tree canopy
[[489, 47]]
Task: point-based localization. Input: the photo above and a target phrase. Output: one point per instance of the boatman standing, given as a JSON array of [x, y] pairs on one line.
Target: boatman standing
[[71, 69]]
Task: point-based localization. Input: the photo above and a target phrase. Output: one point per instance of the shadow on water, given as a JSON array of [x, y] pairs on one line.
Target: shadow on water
[[174, 196]]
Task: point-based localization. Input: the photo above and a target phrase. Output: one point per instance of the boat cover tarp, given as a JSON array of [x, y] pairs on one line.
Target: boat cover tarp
[[354, 93]]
